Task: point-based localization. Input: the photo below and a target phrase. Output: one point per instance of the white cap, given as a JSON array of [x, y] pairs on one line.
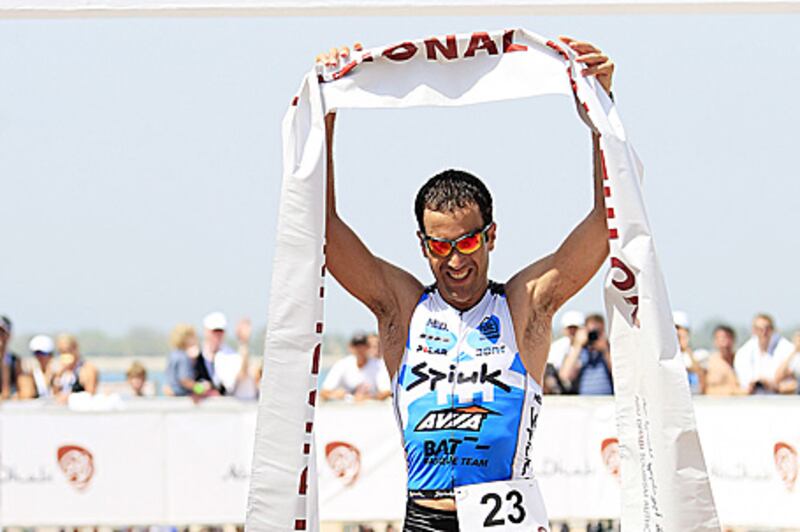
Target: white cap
[[572, 318], [41, 343], [215, 321], [681, 319]]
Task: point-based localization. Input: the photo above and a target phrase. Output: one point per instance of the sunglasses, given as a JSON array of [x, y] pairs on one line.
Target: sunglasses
[[465, 244]]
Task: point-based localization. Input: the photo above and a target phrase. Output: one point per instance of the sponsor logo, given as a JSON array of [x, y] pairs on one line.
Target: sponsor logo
[[436, 324], [77, 464], [344, 459], [424, 374], [468, 418], [609, 452], [786, 464], [493, 350], [490, 328], [529, 430]]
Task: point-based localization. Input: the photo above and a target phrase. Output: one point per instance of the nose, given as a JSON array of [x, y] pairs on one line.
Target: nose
[[456, 260]]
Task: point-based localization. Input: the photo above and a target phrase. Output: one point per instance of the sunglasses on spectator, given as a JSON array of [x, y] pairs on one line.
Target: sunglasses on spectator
[[465, 244]]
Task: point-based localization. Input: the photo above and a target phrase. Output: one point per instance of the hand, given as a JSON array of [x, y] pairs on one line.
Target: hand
[[331, 58], [581, 337], [597, 63], [243, 331]]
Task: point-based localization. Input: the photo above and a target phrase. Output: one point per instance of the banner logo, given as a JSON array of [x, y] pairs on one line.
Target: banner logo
[[468, 418], [344, 460], [77, 464], [786, 464]]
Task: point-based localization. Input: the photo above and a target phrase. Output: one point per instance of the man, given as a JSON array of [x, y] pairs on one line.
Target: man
[[220, 365], [10, 366], [694, 360], [720, 375], [571, 321], [468, 354], [39, 366], [758, 360], [588, 363], [358, 376]]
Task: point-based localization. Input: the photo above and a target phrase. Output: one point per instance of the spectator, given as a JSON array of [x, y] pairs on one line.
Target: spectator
[[180, 374], [720, 375], [788, 374], [374, 343], [695, 360], [39, 367], [217, 362], [246, 384], [357, 375], [588, 363], [571, 321], [9, 363], [757, 361], [137, 379], [73, 374]]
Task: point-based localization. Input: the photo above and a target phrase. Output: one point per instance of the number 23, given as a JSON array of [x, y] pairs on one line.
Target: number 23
[[492, 520]]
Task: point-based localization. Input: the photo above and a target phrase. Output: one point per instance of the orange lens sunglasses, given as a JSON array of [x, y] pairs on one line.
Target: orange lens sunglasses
[[465, 244]]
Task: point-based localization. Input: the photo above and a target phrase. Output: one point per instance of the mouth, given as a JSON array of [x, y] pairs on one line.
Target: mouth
[[458, 275]]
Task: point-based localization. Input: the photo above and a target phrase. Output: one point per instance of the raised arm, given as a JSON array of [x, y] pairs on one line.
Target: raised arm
[[551, 281]]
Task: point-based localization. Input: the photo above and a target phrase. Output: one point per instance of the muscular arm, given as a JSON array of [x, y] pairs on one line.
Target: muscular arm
[[389, 292]]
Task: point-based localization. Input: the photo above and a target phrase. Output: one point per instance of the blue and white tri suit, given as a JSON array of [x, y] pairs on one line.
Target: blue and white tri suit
[[465, 404]]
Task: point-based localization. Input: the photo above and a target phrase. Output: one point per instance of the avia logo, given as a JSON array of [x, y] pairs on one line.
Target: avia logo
[[468, 418]]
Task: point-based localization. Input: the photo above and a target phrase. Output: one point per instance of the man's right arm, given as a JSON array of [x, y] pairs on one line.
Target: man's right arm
[[388, 291]]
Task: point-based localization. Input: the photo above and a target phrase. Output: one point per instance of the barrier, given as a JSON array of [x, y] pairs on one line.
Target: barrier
[[173, 462]]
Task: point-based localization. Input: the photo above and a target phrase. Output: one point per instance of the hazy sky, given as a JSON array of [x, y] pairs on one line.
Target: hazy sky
[[140, 162]]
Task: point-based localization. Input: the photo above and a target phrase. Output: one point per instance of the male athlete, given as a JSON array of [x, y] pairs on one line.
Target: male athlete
[[467, 355]]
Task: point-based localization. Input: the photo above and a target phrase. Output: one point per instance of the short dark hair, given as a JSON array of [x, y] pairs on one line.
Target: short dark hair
[[450, 190], [726, 329]]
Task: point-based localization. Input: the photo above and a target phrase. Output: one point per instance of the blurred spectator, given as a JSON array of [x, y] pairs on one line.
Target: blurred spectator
[[788, 374], [39, 366], [695, 360], [374, 344], [72, 374], [180, 374], [10, 365], [588, 364], [137, 378], [357, 375], [720, 375], [758, 360], [221, 365], [571, 321], [245, 385]]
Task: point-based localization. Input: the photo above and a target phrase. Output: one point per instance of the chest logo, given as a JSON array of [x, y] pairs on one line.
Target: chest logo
[[468, 418]]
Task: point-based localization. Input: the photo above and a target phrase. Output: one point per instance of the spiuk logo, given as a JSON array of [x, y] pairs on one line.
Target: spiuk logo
[[344, 460], [77, 464], [468, 418]]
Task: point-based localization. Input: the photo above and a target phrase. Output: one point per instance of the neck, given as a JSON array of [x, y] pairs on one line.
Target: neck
[[726, 354], [464, 306]]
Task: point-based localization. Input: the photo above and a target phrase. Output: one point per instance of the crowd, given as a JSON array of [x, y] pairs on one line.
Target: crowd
[[196, 367], [579, 362], [766, 363]]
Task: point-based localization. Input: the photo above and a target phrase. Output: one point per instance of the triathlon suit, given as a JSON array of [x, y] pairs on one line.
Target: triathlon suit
[[466, 406]]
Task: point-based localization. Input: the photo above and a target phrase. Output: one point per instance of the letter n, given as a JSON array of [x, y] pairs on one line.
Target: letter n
[[449, 50]]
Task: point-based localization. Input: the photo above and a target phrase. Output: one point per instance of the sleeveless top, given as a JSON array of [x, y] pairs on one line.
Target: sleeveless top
[[465, 404]]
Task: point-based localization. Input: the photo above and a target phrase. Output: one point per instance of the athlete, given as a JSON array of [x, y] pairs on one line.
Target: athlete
[[466, 354]]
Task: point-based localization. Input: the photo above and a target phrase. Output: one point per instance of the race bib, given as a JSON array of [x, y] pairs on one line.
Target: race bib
[[505, 505]]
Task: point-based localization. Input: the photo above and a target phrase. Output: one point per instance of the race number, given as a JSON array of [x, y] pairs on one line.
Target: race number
[[499, 506]]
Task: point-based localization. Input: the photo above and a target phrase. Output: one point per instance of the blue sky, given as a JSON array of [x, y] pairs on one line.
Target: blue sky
[[140, 162]]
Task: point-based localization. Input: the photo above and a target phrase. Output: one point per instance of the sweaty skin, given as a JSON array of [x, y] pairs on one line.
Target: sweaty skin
[[534, 294]]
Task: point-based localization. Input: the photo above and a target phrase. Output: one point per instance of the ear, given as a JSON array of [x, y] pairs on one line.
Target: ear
[[491, 235]]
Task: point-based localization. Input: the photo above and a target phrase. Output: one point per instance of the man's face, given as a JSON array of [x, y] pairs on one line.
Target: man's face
[[136, 383], [762, 330], [461, 278], [361, 351], [571, 331], [4, 336], [683, 338], [213, 338], [723, 341]]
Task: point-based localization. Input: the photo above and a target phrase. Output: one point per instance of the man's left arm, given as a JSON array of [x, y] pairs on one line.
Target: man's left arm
[[551, 281]]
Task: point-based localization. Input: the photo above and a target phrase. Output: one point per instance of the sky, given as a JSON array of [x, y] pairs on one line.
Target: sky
[[140, 162]]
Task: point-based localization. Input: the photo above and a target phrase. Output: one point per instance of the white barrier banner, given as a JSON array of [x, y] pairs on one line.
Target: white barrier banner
[[170, 462]]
